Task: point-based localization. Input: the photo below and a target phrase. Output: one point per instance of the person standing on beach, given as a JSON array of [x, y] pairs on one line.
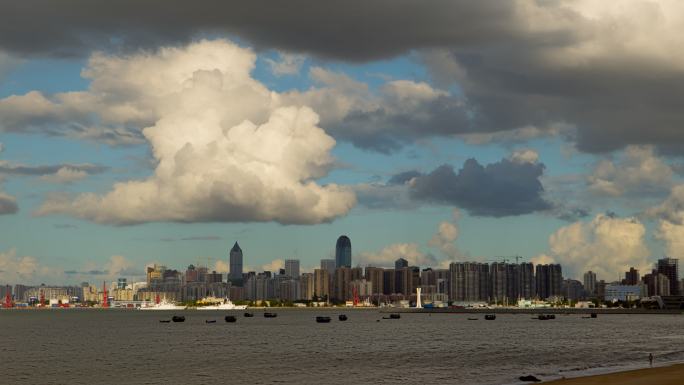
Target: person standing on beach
[[650, 359]]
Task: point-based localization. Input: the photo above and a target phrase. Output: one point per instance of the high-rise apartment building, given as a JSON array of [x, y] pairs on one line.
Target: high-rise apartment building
[[631, 277], [590, 283], [322, 283], [343, 252], [400, 263], [527, 282], [669, 267], [328, 264], [469, 282], [549, 280], [292, 268]]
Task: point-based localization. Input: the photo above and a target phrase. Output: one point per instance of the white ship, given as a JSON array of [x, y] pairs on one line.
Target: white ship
[[163, 305], [226, 305]]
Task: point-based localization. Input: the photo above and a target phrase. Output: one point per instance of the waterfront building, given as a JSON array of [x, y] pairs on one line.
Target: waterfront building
[[527, 282], [121, 283], [322, 283], [669, 267], [389, 278], [343, 277], [214, 277], [469, 282], [590, 283], [549, 279], [616, 292], [343, 252], [235, 274], [191, 274], [572, 289], [306, 286], [657, 283], [155, 274], [292, 268], [632, 277], [498, 278], [329, 265], [375, 275], [400, 263]]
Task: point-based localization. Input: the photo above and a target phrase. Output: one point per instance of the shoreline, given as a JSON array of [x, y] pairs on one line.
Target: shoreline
[[667, 373]]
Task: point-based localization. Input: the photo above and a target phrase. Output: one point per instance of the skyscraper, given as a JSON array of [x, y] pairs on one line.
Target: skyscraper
[[549, 280], [400, 263], [343, 252], [669, 267], [590, 283], [292, 268], [235, 264], [329, 265], [632, 276]]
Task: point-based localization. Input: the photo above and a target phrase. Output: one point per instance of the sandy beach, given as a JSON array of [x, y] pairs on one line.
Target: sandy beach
[[666, 375]]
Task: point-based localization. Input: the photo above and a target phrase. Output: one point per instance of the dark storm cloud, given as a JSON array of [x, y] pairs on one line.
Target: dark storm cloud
[[23, 170], [349, 30], [517, 63], [403, 177], [499, 189]]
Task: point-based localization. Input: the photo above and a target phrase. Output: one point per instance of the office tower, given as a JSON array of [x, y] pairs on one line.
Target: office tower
[[389, 278], [343, 276], [402, 281], [469, 282], [527, 282], [400, 263], [669, 267], [549, 280], [235, 264], [328, 264], [322, 283], [590, 283], [292, 268], [632, 276], [214, 277], [343, 252], [191, 274], [121, 283]]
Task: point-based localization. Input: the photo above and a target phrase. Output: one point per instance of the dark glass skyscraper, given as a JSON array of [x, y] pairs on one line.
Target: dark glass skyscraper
[[343, 252], [235, 264]]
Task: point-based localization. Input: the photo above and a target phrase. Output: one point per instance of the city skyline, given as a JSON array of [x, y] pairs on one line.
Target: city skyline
[[141, 146]]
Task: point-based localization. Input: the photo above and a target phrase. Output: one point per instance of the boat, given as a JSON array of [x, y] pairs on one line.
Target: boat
[[210, 321], [342, 317], [594, 315], [178, 318], [163, 305], [322, 319], [164, 321], [230, 318], [225, 305], [544, 317], [490, 317], [248, 315], [393, 316], [270, 315], [473, 319]]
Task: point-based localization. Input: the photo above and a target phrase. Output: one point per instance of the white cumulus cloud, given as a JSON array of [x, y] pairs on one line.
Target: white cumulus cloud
[[227, 149]]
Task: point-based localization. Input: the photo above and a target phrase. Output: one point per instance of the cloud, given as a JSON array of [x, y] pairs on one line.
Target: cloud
[[64, 226], [65, 175], [637, 172], [446, 235], [117, 266], [221, 267], [273, 266], [288, 64], [606, 245], [389, 254], [21, 269], [227, 150], [504, 188], [524, 156], [672, 208], [8, 204], [57, 172]]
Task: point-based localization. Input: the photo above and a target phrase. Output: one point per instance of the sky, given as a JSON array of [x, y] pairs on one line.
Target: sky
[[140, 132]]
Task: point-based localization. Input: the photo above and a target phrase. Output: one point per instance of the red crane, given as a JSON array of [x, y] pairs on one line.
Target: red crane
[[8, 301], [105, 302], [356, 296]]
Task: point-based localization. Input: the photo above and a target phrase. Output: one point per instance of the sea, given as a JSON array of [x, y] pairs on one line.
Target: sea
[[110, 346]]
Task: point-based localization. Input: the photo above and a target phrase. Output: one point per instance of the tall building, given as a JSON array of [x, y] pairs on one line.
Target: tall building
[[498, 278], [572, 289], [400, 263], [375, 276], [669, 267], [292, 268], [590, 283], [322, 283], [549, 280], [469, 282], [343, 252], [235, 264], [527, 282], [632, 276], [306, 286], [329, 265]]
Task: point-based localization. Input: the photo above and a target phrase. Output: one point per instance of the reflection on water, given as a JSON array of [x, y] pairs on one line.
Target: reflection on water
[[132, 347]]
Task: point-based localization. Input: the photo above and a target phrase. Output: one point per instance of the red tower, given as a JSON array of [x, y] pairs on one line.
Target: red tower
[[356, 296], [8, 301], [105, 302]]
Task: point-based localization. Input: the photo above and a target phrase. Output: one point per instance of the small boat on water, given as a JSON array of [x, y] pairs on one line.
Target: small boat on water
[[594, 315], [544, 317], [322, 319], [473, 319], [490, 317], [178, 318], [270, 315], [210, 321], [248, 315], [393, 316], [164, 321], [230, 318], [342, 317]]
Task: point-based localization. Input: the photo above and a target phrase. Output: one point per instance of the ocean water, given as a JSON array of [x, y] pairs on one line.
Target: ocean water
[[132, 347]]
